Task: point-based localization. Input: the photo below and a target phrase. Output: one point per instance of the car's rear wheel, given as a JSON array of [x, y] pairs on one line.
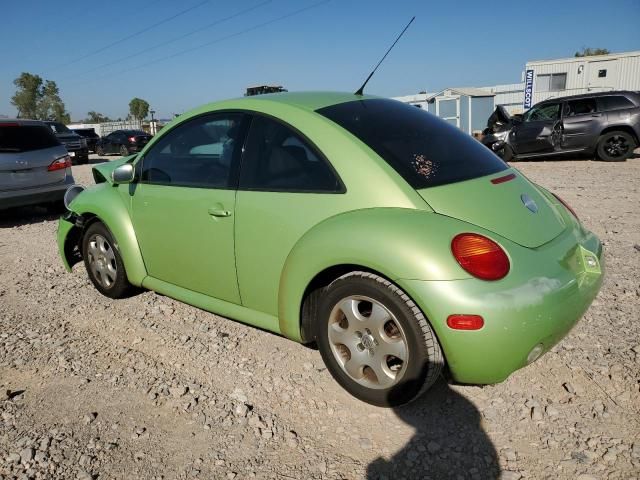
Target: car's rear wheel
[[375, 341], [615, 146], [123, 151], [103, 262]]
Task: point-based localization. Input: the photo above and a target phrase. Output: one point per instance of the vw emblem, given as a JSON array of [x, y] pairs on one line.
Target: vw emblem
[[529, 203]]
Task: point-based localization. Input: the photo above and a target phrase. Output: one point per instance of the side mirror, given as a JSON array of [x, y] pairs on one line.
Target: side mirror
[[123, 174]]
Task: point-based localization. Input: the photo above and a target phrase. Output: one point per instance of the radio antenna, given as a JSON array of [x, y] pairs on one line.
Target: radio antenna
[[361, 89]]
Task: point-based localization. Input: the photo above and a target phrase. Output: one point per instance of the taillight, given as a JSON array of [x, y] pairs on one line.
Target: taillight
[[481, 257], [60, 163], [566, 205], [132, 139]]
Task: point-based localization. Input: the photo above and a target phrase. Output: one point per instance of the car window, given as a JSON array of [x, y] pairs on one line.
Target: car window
[[277, 158], [57, 127], [580, 107], [548, 111], [25, 138], [614, 102], [424, 149], [197, 153]]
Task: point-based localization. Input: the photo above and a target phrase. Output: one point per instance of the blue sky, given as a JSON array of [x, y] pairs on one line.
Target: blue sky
[[330, 46]]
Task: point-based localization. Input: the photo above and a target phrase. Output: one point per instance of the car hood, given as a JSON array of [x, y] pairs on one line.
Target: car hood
[[68, 136], [499, 119], [102, 171], [505, 203]]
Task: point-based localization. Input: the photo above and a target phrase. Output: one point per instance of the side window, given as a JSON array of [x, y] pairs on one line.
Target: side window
[[198, 153], [278, 159], [614, 102], [549, 111], [580, 107]]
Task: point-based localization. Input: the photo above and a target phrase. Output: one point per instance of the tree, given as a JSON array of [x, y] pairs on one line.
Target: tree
[[138, 108], [28, 92], [50, 105], [95, 117], [587, 52], [38, 99]]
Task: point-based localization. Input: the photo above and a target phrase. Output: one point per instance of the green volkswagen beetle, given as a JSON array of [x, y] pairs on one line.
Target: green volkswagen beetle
[[397, 243]]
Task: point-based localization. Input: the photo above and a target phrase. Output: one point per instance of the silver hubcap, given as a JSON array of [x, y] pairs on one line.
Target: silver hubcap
[[102, 261], [368, 342]]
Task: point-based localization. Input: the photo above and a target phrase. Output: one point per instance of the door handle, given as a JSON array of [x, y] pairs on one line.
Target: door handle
[[219, 212]]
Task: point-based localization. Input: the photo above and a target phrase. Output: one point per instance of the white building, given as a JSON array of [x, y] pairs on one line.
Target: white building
[[543, 79]]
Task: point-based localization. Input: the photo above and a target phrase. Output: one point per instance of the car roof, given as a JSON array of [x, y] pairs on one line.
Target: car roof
[[590, 95], [21, 121], [305, 100]]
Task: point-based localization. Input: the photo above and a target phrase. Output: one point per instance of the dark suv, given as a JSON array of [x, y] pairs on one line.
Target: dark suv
[[90, 135], [74, 143], [605, 124]]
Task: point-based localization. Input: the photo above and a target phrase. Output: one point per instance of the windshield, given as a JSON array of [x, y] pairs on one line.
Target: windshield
[[57, 127], [24, 138], [425, 150]]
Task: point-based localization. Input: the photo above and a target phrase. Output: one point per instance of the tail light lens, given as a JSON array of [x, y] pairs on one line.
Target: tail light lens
[[566, 205], [481, 257], [132, 139], [60, 164]]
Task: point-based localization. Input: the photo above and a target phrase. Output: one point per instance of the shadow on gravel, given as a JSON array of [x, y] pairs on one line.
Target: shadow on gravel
[[103, 159], [19, 216], [449, 441]]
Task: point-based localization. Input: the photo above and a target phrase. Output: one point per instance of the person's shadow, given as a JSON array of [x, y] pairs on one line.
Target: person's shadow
[[448, 443]]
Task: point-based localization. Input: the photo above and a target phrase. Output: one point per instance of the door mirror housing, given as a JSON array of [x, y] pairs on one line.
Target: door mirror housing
[[123, 174]]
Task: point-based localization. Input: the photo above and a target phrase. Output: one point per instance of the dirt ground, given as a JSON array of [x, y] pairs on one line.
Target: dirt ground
[[149, 388]]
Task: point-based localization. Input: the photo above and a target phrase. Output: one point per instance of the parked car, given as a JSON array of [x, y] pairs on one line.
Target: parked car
[[90, 135], [122, 142], [35, 167], [392, 239], [74, 143], [605, 124]]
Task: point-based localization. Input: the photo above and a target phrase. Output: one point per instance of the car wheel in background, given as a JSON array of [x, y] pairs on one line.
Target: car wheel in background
[[99, 150], [615, 146], [507, 154], [375, 341], [104, 263], [123, 151]]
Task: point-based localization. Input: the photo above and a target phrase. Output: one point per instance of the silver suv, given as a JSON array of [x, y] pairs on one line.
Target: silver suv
[[605, 124], [34, 166]]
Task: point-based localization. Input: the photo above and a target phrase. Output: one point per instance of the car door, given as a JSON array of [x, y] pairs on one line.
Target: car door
[[107, 144], [286, 187], [184, 205], [535, 133], [582, 124]]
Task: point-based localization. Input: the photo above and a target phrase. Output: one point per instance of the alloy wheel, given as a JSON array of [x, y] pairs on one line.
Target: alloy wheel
[[102, 261], [616, 146], [368, 342]]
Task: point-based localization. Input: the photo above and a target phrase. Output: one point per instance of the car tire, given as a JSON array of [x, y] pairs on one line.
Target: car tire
[[103, 262], [615, 146], [123, 151], [363, 320], [507, 154], [99, 151]]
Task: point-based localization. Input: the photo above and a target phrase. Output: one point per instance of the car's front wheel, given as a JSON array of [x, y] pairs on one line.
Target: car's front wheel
[[123, 151], [375, 341], [99, 151], [103, 262], [615, 146]]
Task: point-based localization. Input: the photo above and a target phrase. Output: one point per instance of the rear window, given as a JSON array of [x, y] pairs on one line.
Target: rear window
[[24, 138], [425, 150], [614, 102]]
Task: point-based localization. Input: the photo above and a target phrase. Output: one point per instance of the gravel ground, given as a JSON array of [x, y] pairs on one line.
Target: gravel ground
[[150, 388]]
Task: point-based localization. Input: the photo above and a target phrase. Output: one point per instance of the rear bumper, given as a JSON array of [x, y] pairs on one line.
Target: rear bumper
[[35, 196], [519, 314]]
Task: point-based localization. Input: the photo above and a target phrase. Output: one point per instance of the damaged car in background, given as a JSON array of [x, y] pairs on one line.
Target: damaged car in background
[[605, 125]]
